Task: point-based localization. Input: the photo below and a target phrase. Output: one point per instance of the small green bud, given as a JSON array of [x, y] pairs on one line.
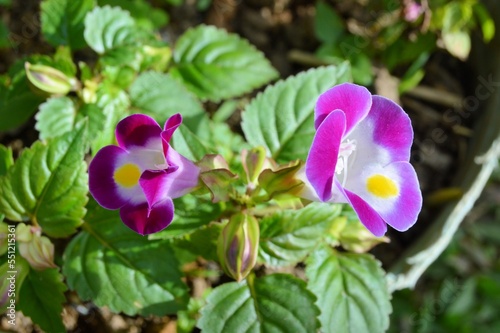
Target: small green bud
[[238, 245], [254, 161], [49, 79], [282, 180], [35, 248]]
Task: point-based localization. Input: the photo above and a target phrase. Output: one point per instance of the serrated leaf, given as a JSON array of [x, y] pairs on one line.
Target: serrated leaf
[[48, 184], [56, 117], [281, 118], [351, 291], [41, 298], [289, 236], [160, 96], [144, 14], [273, 303], [62, 21], [109, 28], [217, 65], [115, 267], [6, 159]]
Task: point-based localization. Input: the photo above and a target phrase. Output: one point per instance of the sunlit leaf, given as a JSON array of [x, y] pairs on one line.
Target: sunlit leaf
[[216, 65], [273, 303], [281, 118]]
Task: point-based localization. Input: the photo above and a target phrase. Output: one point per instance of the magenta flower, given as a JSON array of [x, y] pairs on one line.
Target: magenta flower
[[143, 174], [360, 155]]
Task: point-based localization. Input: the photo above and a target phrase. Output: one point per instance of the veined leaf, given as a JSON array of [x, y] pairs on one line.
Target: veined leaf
[[273, 303], [107, 28], [48, 184], [289, 236], [113, 266], [189, 145], [351, 291], [216, 65], [62, 21], [145, 15], [281, 118], [56, 117], [6, 159], [160, 96], [41, 297]]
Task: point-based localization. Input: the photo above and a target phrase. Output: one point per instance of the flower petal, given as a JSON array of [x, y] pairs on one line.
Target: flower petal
[[185, 177], [146, 221], [102, 184], [137, 130], [156, 185], [393, 191], [355, 101], [170, 126], [384, 136], [367, 215], [323, 155]]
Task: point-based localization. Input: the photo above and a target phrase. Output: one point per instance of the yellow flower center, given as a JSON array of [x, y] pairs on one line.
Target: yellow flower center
[[127, 175], [382, 186]]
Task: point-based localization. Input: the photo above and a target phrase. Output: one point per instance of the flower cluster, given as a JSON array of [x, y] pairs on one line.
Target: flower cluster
[[360, 155], [142, 174]]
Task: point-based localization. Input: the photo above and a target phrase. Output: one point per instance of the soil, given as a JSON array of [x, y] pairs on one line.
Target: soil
[[279, 28]]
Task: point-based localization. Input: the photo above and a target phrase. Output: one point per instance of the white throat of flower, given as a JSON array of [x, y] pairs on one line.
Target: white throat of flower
[[346, 155]]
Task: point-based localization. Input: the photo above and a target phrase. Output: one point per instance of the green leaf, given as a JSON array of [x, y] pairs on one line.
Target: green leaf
[[4, 35], [216, 65], [202, 242], [115, 267], [328, 25], [289, 236], [191, 213], [41, 298], [48, 184], [485, 21], [6, 159], [56, 117], [17, 102], [108, 29], [351, 291], [144, 14], [160, 96], [113, 104], [281, 118], [273, 303], [62, 21], [188, 144]]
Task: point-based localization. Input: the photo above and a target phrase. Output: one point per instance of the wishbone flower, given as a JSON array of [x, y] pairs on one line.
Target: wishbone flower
[[360, 155], [142, 174]]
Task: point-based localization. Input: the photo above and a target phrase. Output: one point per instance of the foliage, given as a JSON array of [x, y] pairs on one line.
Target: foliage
[[110, 61]]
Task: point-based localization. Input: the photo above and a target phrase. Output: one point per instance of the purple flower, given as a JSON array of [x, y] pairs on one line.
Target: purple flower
[[143, 174], [360, 156]]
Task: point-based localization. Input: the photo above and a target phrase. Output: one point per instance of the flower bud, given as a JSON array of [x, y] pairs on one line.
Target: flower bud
[[35, 248], [238, 245], [49, 79], [254, 161], [216, 176], [283, 180]]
